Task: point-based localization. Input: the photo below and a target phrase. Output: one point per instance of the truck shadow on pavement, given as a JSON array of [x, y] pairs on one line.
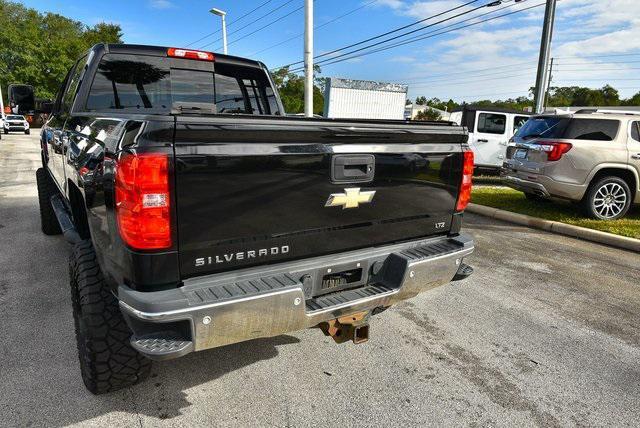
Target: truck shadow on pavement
[[163, 395]]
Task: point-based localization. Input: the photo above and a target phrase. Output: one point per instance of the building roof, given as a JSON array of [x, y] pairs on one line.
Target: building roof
[[366, 85]]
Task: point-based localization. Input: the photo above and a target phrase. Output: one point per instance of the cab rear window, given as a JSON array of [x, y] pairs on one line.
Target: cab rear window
[[148, 84]]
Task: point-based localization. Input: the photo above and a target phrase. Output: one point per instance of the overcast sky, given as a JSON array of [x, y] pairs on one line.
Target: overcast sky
[[595, 41]]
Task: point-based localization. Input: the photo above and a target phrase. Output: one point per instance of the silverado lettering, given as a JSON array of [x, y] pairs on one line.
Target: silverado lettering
[[245, 255]]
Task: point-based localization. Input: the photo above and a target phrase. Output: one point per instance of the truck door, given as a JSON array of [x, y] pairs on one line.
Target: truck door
[[57, 140], [490, 138]]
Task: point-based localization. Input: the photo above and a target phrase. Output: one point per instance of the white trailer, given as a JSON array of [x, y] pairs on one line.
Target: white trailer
[[362, 99]]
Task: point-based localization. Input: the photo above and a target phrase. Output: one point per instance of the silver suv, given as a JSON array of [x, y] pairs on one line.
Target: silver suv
[[592, 156]]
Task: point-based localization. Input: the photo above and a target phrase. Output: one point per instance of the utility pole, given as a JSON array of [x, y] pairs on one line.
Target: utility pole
[[222, 14], [308, 58], [543, 59], [546, 94]]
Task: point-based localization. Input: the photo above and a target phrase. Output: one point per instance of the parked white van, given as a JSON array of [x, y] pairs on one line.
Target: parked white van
[[490, 130]]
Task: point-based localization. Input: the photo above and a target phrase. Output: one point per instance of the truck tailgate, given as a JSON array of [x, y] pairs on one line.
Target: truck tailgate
[[255, 191]]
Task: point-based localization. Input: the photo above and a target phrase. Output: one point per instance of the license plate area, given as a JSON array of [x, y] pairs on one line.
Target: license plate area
[[341, 277]]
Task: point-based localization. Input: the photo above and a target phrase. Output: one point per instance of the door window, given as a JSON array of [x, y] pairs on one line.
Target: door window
[[518, 122], [592, 129], [635, 131], [490, 123]]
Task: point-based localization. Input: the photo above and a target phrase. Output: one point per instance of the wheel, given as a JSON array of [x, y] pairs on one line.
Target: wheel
[[47, 189], [6, 131], [27, 132], [107, 360], [607, 199]]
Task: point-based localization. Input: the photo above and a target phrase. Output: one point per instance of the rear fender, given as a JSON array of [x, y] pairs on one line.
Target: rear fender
[[626, 170]]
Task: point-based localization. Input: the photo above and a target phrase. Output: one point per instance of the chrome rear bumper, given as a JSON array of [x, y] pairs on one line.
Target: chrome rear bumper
[[269, 301]]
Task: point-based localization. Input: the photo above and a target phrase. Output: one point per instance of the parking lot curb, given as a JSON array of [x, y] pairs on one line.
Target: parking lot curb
[[597, 236]]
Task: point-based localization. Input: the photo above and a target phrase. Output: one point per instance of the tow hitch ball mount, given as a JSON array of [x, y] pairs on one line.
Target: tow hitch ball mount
[[352, 327]]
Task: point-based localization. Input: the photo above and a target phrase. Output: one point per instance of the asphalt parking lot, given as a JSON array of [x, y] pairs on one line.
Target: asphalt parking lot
[[546, 333]]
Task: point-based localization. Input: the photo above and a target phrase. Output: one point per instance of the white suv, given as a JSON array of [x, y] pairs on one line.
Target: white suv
[[16, 122], [592, 156]]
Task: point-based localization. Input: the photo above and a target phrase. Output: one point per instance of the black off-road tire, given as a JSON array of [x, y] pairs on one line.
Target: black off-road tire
[[47, 189], [27, 132], [107, 360], [614, 184]]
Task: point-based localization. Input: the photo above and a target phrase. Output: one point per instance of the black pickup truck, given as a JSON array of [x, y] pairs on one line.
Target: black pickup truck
[[201, 215]]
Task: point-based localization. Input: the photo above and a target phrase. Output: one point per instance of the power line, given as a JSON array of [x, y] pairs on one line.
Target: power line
[[465, 81], [599, 56], [335, 59], [266, 26], [472, 76], [231, 23], [596, 70], [598, 80], [317, 27], [272, 11], [433, 33], [393, 31], [596, 63], [405, 42], [473, 70]]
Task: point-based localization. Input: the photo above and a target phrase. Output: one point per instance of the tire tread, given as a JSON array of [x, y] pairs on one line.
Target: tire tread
[[107, 360]]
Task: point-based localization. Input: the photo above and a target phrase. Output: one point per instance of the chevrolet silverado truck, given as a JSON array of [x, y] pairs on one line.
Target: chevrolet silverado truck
[[201, 215]]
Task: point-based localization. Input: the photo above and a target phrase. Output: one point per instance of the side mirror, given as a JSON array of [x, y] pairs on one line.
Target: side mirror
[[47, 108]]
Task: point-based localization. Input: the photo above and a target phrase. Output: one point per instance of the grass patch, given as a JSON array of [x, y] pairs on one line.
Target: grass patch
[[566, 212], [493, 180]]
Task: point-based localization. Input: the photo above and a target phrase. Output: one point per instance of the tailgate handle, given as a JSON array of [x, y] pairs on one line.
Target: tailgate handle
[[353, 168]]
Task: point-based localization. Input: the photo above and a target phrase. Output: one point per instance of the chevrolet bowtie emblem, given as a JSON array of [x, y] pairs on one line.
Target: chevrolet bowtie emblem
[[351, 198]]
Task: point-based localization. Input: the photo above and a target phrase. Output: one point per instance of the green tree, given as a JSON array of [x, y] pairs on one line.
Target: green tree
[[291, 89], [573, 96], [428, 114], [633, 101], [421, 101], [39, 49]]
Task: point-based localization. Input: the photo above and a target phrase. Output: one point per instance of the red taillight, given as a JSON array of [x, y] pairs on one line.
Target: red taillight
[[554, 149], [190, 54], [142, 201], [464, 197]]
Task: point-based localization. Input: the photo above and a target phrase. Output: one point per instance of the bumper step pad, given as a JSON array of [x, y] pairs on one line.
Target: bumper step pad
[[241, 289], [159, 348], [427, 251]]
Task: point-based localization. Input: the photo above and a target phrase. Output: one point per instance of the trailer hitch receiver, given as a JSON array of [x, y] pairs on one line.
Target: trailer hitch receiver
[[352, 327]]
